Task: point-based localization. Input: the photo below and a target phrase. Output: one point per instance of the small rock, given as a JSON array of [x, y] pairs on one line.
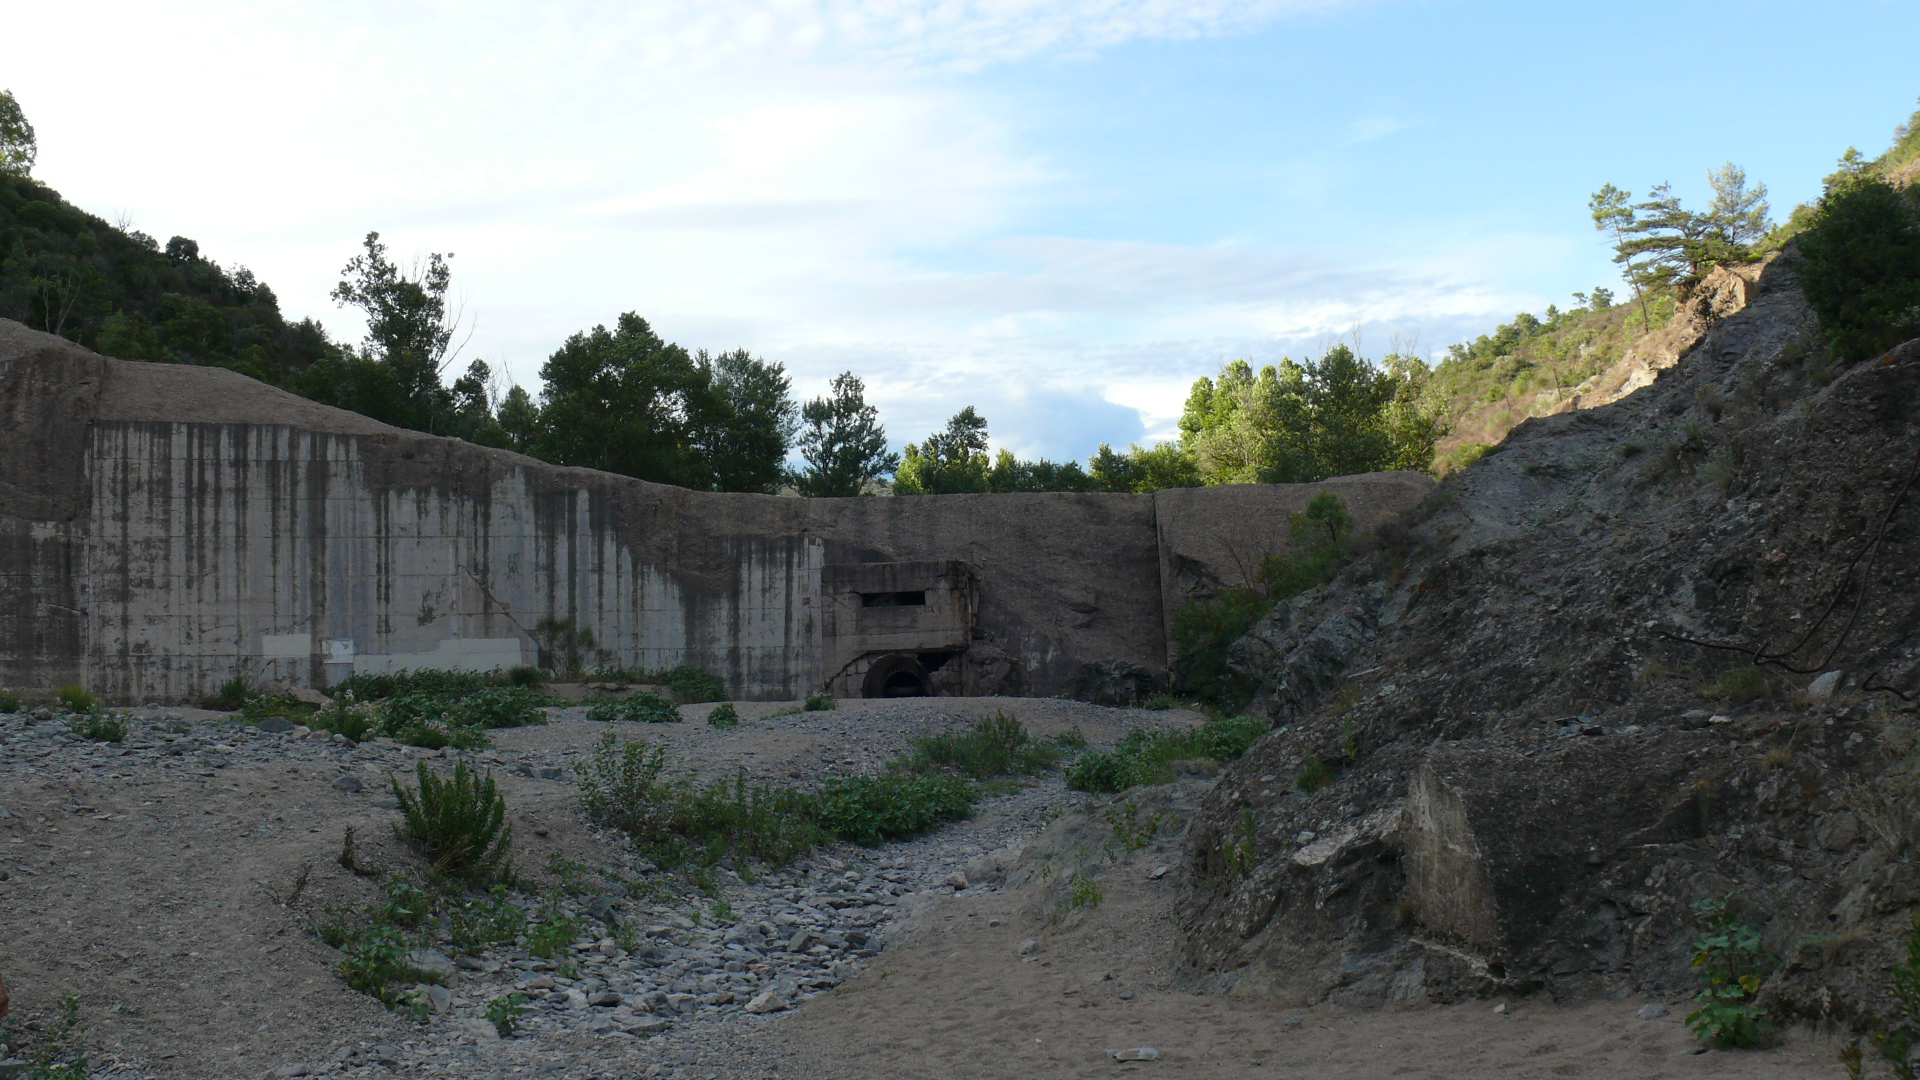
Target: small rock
[[431, 964], [767, 1002], [294, 1070], [1719, 719], [1653, 1012], [1501, 1008], [1195, 770], [1295, 1021], [549, 772], [1026, 947], [481, 1030], [1126, 995], [346, 782], [957, 879], [539, 982], [605, 999], [1138, 1053], [1822, 688], [1158, 873], [279, 725]]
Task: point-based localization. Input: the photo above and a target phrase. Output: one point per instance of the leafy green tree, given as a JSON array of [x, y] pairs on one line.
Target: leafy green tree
[[18, 148], [1659, 242], [1738, 215], [1861, 268], [519, 420], [408, 326], [1143, 469], [625, 401], [949, 462], [746, 442], [1613, 215], [1009, 473], [842, 442]]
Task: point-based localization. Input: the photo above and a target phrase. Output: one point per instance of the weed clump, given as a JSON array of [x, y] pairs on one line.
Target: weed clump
[[99, 727], [638, 709], [870, 810], [1082, 892], [76, 699], [1732, 964], [1739, 686], [622, 787], [996, 746], [1142, 757], [9, 702], [1312, 775], [55, 1049], [724, 717], [819, 703], [460, 824]]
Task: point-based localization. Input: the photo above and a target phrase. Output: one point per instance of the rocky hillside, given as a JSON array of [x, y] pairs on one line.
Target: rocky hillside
[[1544, 740]]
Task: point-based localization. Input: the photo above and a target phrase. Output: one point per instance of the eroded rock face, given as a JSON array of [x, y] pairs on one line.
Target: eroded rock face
[[1534, 784]]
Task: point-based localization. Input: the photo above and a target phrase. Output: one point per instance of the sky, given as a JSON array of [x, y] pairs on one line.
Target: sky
[[1061, 212]]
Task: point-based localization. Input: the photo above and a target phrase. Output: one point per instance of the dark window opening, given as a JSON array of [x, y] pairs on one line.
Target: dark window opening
[[934, 661], [914, 598]]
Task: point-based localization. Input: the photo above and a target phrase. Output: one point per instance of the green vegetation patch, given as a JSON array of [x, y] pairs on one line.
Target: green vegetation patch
[[997, 746], [1142, 757], [458, 823], [638, 709]]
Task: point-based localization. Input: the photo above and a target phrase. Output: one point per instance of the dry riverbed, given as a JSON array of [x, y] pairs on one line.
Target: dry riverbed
[[156, 879]]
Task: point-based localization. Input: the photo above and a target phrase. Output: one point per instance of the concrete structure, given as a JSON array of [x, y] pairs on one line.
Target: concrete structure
[[163, 528]]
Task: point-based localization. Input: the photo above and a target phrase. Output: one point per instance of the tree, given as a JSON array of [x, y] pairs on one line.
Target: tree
[[519, 420], [625, 401], [746, 444], [1861, 269], [1613, 214], [1142, 469], [18, 147], [842, 442], [949, 462], [1010, 473], [1737, 215], [408, 326]]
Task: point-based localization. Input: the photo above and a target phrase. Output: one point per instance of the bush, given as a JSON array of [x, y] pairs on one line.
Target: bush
[[1141, 757], [9, 702], [232, 695], [475, 922], [57, 1049], [553, 931], [99, 728], [724, 716], [1861, 269], [391, 684], [1739, 686], [819, 703], [485, 707], [638, 709], [504, 1013], [1312, 775], [1896, 1041], [1732, 964], [691, 684], [357, 720], [77, 699], [621, 787], [525, 676], [996, 746], [460, 824], [870, 810]]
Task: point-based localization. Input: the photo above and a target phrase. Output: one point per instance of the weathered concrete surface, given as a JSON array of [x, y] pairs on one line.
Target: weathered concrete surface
[[163, 528]]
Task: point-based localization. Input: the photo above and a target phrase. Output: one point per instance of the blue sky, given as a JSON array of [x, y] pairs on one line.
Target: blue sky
[[1060, 211]]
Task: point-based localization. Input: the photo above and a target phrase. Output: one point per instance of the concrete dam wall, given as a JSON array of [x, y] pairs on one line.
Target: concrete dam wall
[[163, 528]]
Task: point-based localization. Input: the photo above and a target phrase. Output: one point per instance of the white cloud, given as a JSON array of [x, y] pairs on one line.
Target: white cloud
[[802, 178]]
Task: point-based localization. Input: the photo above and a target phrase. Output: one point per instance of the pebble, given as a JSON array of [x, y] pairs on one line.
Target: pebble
[[1653, 1012], [1138, 1053]]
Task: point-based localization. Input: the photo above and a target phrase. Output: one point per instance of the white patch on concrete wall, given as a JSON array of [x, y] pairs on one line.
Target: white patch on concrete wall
[[286, 646], [453, 654]]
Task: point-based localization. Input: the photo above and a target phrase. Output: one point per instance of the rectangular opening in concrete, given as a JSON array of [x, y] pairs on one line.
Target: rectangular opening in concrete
[[909, 598]]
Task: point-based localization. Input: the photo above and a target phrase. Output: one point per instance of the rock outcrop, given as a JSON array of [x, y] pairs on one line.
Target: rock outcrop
[[1541, 760]]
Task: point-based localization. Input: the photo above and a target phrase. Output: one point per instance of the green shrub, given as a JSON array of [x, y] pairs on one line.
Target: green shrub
[[1142, 757], [57, 1049], [372, 687], [819, 703], [77, 699], [638, 709], [621, 787], [1312, 775], [1732, 964], [1082, 892], [553, 931], [1739, 686], [436, 735], [1128, 828], [486, 707], [1896, 1038], [870, 810], [475, 922], [9, 702], [691, 684], [1161, 702], [996, 746], [357, 720], [1861, 267], [260, 706], [724, 716], [460, 824], [525, 676], [99, 727], [504, 1013], [231, 696], [1071, 740]]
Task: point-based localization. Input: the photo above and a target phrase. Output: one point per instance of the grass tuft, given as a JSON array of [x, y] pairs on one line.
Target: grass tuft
[[460, 823]]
